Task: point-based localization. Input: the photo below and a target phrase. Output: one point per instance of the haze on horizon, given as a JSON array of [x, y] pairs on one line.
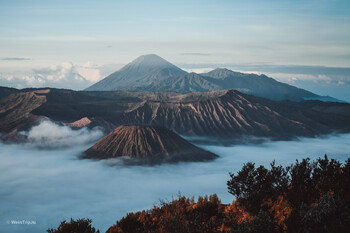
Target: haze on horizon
[[87, 40]]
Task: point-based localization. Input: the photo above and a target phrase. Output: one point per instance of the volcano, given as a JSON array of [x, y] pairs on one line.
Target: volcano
[[137, 74], [149, 144]]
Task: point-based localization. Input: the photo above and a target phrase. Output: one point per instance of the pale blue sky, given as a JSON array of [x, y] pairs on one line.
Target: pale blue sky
[[298, 32], [45, 35]]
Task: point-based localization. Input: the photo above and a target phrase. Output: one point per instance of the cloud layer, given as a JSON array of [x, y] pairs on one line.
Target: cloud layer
[[65, 75], [48, 186]]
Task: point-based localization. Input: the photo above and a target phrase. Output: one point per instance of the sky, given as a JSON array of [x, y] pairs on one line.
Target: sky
[[98, 37]]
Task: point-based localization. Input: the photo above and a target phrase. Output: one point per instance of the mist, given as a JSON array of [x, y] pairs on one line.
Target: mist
[[48, 185], [50, 135]]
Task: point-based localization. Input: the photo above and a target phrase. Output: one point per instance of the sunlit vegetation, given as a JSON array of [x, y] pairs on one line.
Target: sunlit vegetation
[[305, 197]]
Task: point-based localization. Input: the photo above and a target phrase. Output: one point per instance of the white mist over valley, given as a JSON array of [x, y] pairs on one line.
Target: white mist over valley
[[49, 184]]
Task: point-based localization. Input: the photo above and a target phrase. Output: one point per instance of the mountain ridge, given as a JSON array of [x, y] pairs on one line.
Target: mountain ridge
[[229, 113], [218, 114], [153, 73]]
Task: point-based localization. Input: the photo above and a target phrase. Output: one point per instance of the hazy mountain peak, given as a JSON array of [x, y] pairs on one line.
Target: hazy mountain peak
[[139, 73], [221, 73], [150, 61]]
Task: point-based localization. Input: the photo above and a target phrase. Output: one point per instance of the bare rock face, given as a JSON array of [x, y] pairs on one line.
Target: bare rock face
[[150, 144], [80, 123]]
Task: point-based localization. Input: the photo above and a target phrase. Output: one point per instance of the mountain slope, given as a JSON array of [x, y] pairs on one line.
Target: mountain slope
[[233, 114], [186, 83], [258, 85], [16, 110], [6, 91], [151, 143], [221, 79], [137, 74]]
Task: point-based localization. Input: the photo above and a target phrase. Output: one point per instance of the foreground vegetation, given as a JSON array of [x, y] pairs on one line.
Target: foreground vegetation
[[310, 197]]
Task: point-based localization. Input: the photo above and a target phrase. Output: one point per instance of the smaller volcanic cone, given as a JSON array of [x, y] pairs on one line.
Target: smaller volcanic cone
[[149, 144]]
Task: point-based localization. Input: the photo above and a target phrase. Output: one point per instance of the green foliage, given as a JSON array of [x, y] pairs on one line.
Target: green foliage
[[75, 226]]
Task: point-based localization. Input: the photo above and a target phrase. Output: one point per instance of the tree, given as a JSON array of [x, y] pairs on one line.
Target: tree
[[329, 215], [304, 197], [77, 226], [253, 186]]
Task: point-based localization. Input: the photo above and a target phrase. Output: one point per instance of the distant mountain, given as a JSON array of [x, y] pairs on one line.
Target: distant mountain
[[258, 85], [152, 144], [138, 74], [221, 78], [153, 73]]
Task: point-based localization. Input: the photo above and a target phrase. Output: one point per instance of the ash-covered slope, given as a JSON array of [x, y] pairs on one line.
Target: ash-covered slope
[[230, 113], [16, 110], [137, 74], [148, 144]]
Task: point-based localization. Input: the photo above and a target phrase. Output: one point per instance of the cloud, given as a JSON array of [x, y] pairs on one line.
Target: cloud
[[50, 135], [65, 75], [292, 78], [15, 59]]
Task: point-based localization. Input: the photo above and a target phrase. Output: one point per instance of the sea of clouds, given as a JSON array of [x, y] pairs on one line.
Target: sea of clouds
[[46, 185]]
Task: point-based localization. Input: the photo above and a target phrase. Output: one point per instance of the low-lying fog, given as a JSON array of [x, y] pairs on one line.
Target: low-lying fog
[[46, 183]]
